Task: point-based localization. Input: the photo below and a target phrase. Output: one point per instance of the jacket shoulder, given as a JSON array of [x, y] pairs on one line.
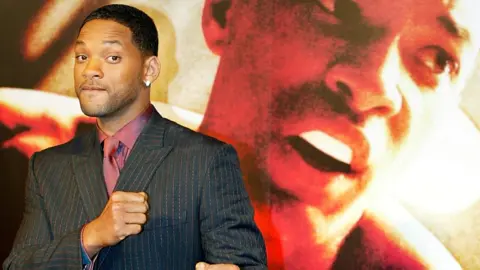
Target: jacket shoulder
[[179, 135], [75, 145]]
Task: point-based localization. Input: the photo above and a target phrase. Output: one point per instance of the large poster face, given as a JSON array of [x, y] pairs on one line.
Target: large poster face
[[356, 122]]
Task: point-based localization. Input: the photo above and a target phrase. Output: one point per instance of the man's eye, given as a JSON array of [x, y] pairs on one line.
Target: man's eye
[[81, 58], [114, 59], [437, 60]]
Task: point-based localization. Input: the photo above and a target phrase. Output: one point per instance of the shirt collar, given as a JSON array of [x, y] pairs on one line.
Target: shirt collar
[[129, 133]]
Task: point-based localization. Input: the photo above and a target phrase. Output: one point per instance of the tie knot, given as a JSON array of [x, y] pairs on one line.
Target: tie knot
[[110, 145]]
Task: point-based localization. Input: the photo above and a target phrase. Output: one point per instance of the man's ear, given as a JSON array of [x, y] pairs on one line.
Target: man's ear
[[151, 69], [216, 14]]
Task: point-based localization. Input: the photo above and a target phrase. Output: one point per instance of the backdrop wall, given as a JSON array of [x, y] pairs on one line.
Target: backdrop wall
[[356, 122]]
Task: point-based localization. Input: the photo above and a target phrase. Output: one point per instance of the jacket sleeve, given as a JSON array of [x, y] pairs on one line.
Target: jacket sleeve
[[228, 230], [35, 246]]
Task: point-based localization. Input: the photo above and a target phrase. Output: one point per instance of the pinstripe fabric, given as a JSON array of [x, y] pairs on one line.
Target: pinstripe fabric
[[199, 208]]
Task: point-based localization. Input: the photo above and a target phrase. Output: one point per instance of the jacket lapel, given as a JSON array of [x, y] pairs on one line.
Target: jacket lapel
[[147, 154], [87, 168]]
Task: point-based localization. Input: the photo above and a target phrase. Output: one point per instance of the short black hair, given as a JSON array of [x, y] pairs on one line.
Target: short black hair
[[144, 32]]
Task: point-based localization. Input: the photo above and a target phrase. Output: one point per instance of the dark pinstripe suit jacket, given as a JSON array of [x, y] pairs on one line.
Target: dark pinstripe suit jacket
[[199, 208]]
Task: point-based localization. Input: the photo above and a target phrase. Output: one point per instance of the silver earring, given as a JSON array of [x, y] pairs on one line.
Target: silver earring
[[147, 83]]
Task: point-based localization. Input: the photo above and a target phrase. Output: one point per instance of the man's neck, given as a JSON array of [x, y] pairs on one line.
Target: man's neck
[[112, 123]]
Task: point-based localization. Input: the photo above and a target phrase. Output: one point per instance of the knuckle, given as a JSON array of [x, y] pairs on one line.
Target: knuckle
[[118, 206], [115, 196]]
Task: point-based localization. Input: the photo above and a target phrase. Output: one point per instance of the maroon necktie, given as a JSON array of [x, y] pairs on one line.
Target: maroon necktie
[[110, 172], [110, 166]]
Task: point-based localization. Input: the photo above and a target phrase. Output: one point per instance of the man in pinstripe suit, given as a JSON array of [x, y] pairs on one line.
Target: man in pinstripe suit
[[163, 197]]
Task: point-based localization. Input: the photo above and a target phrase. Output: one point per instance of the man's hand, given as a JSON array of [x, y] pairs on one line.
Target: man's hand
[[206, 266], [124, 215]]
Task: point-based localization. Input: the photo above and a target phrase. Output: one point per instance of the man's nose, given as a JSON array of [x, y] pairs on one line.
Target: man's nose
[[92, 70], [369, 87]]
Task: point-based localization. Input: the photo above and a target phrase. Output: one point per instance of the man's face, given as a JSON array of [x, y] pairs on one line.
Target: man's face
[[325, 93], [108, 68]]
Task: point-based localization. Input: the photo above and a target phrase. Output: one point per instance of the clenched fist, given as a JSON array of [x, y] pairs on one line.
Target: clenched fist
[[124, 215]]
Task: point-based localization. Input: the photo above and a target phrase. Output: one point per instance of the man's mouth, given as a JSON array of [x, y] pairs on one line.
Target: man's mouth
[[92, 88], [322, 151]]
